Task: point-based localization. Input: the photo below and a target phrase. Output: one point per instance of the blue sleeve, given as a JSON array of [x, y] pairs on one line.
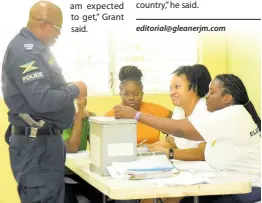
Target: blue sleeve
[[37, 83]]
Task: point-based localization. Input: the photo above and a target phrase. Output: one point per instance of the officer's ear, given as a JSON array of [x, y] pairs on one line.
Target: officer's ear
[[42, 24]]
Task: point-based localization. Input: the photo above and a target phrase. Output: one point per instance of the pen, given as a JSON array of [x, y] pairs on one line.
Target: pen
[[142, 142]]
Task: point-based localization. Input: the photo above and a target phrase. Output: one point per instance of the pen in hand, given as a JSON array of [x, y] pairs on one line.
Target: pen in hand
[[141, 143]]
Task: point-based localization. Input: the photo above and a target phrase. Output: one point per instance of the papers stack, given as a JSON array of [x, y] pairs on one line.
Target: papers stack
[[184, 178], [146, 167], [193, 166]]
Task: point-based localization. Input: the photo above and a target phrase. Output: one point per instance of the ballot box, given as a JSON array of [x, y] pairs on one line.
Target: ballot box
[[111, 140]]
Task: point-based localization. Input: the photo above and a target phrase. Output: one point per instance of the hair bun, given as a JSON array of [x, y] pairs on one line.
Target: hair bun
[[130, 72]]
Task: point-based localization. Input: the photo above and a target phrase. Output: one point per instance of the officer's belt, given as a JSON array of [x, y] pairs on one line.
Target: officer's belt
[[26, 131]]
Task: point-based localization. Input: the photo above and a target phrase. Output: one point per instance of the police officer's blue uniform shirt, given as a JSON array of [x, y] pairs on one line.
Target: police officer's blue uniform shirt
[[33, 83]]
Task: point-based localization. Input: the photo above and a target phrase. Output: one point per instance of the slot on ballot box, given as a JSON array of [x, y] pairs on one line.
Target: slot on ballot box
[[111, 140]]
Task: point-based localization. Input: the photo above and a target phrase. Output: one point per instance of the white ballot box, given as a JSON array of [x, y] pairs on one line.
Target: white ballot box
[[111, 140]]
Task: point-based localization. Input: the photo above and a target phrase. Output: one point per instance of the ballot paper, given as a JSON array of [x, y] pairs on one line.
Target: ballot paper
[[146, 167], [193, 166]]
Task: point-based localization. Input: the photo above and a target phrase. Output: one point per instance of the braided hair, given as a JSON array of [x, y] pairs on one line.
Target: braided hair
[[130, 73], [198, 76], [234, 86]]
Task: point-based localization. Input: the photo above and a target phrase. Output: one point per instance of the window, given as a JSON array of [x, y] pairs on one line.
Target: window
[[97, 59], [85, 58], [157, 56]]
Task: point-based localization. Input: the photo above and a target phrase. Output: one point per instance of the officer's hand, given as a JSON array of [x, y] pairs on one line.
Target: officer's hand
[[82, 88], [122, 111]]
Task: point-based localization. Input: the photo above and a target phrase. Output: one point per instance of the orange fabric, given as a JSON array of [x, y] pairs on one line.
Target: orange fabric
[[145, 131]]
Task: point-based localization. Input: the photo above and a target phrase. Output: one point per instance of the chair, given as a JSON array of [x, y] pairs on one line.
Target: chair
[[82, 199]]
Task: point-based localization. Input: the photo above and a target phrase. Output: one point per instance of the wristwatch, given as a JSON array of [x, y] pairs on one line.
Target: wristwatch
[[171, 154]]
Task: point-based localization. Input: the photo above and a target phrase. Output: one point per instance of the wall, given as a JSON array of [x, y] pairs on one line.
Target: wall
[[220, 53], [244, 60]]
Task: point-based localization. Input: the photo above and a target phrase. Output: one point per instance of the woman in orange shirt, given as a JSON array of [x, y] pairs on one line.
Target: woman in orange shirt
[[131, 93]]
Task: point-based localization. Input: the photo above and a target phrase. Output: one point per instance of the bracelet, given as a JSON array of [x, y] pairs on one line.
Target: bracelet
[[171, 154], [137, 115]]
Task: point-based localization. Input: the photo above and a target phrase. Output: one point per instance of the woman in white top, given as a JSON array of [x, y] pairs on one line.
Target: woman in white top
[[188, 87], [232, 133]]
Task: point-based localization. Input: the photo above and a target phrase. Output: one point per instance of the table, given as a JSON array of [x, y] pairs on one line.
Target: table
[[119, 189]]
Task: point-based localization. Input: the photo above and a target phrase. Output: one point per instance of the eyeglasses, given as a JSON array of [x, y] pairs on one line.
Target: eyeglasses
[[43, 20], [55, 26]]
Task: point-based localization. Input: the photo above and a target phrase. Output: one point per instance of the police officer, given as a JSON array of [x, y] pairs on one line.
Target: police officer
[[33, 85]]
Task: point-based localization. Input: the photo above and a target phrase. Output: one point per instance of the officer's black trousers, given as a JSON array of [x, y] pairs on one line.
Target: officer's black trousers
[[38, 167]]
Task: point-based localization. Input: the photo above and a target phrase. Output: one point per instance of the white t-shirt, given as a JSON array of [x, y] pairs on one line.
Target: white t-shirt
[[199, 113], [233, 141]]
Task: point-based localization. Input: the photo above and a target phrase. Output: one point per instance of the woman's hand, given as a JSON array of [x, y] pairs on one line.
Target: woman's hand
[[122, 111]]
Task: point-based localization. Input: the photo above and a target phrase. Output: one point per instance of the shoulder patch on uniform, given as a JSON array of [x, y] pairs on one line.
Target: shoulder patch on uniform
[[28, 67], [29, 46]]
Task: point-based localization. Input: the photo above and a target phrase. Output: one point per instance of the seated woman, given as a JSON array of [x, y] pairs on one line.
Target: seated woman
[[131, 93], [75, 139], [232, 133], [188, 87]]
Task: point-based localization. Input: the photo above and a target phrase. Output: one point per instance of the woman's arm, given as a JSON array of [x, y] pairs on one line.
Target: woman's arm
[[73, 142], [191, 154], [166, 143], [178, 128]]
